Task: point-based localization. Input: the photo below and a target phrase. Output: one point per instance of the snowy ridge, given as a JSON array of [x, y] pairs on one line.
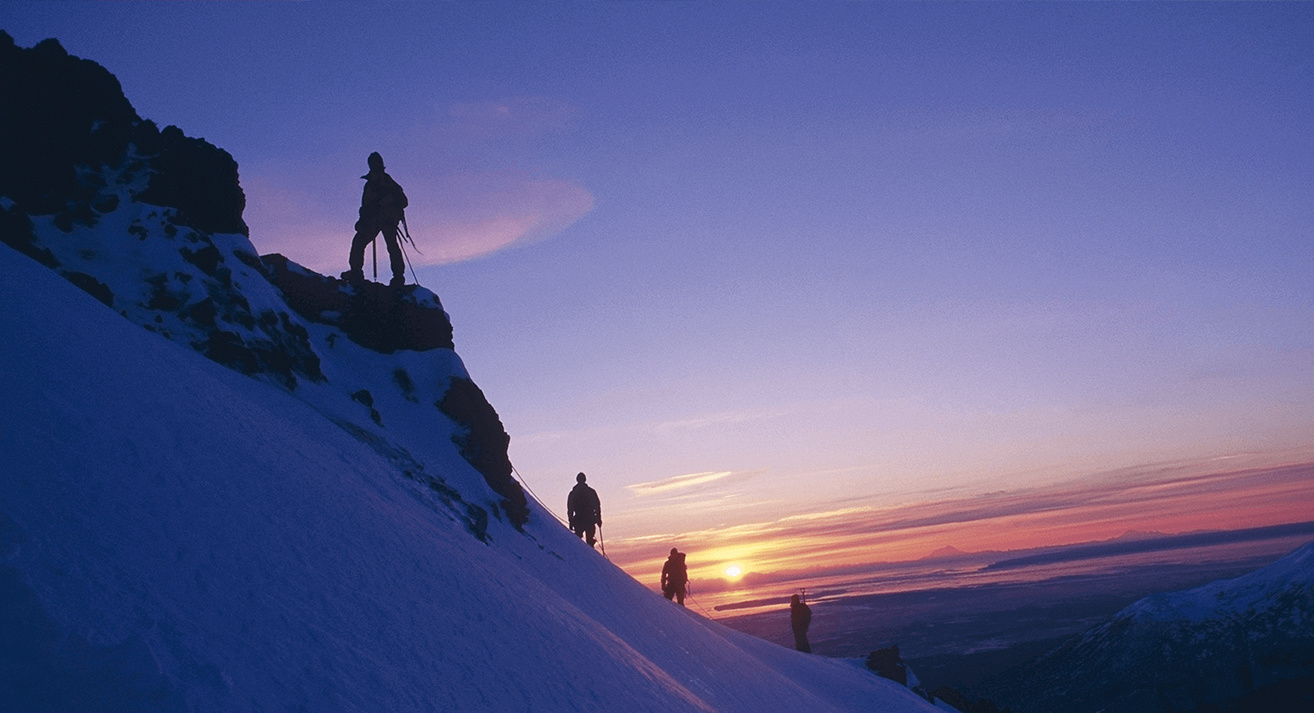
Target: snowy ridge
[[1250, 593]]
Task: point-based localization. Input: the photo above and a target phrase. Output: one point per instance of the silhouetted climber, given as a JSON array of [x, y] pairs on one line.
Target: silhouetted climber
[[675, 577], [800, 617], [584, 510], [381, 209]]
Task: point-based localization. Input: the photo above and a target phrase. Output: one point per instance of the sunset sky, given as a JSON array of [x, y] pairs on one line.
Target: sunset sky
[[808, 284]]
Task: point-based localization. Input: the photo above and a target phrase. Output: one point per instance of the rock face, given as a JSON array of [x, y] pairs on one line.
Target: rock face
[[1211, 648], [66, 119], [484, 444], [91, 190], [374, 316]]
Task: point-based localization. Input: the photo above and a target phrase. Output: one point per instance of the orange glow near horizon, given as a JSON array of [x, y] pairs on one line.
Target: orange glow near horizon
[[1084, 511]]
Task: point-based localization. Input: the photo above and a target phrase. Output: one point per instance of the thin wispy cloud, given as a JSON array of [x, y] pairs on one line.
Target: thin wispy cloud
[[679, 482], [720, 419], [475, 214]]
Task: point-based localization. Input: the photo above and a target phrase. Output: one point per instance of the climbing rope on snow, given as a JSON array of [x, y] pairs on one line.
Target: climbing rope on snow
[[689, 593], [540, 500]]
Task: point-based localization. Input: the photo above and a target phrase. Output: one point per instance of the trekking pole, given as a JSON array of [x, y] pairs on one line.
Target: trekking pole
[[603, 543], [406, 233], [407, 258], [374, 248], [405, 237]]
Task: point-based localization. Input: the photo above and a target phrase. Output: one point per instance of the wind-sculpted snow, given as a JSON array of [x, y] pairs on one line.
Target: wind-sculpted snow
[[177, 536]]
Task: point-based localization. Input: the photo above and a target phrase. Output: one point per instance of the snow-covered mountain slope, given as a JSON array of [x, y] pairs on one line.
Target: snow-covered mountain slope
[[1244, 640], [1277, 588], [178, 536], [283, 493]]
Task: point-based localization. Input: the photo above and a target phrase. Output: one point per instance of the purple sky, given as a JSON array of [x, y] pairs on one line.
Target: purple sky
[[748, 261]]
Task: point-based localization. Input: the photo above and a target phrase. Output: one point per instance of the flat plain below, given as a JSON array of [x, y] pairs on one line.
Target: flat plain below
[[962, 632]]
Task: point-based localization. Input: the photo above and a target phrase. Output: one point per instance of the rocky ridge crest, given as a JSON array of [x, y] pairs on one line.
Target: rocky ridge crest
[[149, 222]]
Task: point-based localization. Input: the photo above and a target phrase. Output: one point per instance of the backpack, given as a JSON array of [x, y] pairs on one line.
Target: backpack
[[400, 197]]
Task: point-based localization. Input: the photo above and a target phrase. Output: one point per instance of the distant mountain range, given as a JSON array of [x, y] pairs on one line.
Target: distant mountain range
[[1151, 542], [1129, 542], [951, 552], [1238, 644], [946, 552]]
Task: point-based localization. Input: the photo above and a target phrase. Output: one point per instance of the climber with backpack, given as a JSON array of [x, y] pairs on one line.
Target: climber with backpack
[[382, 208], [675, 577], [584, 511]]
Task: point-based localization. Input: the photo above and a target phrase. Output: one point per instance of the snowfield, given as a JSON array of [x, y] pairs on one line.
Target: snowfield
[[1264, 589], [177, 536]]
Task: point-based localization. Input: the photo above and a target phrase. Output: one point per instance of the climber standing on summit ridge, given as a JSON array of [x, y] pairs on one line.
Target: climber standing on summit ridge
[[381, 210]]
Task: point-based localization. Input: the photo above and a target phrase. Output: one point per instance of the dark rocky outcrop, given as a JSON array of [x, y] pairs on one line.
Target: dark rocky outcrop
[[198, 179], [16, 232], [72, 149], [65, 118], [374, 316], [886, 662], [484, 444]]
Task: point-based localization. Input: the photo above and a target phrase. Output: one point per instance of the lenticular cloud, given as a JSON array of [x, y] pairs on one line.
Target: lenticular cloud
[[472, 215]]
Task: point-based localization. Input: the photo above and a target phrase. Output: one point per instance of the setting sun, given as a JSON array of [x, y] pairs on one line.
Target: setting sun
[[733, 571]]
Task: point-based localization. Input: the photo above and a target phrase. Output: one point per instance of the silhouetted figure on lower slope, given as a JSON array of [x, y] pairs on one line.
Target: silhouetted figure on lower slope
[[800, 617], [584, 510], [675, 577], [382, 207]]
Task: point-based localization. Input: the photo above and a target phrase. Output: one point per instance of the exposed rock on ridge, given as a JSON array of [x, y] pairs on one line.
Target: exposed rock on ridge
[[484, 444], [386, 320], [66, 118], [77, 163], [372, 315]]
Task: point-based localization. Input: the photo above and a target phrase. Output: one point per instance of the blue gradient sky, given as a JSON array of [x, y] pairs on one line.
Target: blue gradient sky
[[820, 256]]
